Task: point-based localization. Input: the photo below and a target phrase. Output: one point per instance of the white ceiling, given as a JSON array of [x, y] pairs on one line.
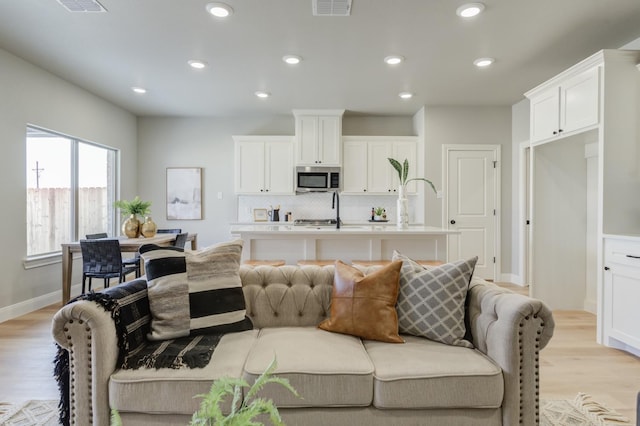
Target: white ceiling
[[148, 43]]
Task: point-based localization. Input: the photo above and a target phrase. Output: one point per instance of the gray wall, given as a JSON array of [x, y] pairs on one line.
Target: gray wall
[[30, 95], [469, 125]]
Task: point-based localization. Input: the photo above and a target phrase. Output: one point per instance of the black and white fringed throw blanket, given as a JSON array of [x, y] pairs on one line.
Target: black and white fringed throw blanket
[[128, 305]]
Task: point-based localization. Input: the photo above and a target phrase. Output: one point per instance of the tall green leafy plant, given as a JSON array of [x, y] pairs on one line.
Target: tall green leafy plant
[[403, 173]]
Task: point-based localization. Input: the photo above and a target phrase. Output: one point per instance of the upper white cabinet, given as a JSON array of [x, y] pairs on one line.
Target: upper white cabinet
[[318, 137], [264, 165], [367, 169], [569, 105]]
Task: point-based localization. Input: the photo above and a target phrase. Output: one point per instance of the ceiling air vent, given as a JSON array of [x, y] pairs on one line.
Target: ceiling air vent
[[82, 5], [331, 7]]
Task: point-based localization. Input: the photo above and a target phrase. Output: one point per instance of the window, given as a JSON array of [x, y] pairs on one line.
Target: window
[[70, 190]]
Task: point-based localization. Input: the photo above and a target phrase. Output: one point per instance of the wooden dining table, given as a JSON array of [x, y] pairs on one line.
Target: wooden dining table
[[127, 245]]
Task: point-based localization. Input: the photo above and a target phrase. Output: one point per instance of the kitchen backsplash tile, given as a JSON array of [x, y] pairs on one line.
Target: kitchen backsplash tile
[[353, 208]]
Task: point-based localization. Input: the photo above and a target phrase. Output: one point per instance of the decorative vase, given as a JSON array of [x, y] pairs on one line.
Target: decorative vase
[[131, 227], [148, 229], [402, 208]]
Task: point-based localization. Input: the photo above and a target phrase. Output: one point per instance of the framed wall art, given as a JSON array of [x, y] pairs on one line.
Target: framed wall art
[[184, 193], [259, 215]]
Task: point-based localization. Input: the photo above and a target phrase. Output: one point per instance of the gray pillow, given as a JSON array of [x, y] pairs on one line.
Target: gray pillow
[[431, 300], [195, 292]]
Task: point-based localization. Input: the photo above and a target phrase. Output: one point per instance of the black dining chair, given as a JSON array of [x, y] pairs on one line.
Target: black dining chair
[[102, 258], [169, 231], [125, 260], [181, 239]]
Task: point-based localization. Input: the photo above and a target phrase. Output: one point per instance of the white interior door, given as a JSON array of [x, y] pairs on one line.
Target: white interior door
[[472, 185]]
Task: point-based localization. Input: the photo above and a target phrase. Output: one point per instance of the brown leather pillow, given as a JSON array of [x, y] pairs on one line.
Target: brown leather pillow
[[365, 306]]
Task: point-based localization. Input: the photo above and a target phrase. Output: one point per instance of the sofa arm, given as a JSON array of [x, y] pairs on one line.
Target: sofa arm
[[511, 329], [93, 331]]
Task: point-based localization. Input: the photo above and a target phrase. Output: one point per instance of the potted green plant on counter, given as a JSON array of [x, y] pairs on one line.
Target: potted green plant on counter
[[133, 208], [403, 176]]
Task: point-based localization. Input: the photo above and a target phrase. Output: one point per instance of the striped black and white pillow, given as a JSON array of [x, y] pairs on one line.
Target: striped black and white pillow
[[194, 292]]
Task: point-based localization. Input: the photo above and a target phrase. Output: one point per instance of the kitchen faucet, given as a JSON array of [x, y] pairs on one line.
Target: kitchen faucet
[[335, 204]]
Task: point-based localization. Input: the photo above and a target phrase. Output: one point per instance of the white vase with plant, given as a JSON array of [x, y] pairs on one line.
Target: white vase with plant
[[133, 208], [403, 202]]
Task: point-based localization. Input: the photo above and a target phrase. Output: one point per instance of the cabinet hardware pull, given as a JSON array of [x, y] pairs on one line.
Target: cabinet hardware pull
[[559, 130], [555, 133], [633, 257], [606, 268]]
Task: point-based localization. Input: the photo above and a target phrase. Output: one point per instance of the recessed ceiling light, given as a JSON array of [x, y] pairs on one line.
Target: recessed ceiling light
[[139, 90], [292, 59], [405, 95], [483, 62], [219, 10], [194, 63], [393, 59], [262, 94], [470, 10]]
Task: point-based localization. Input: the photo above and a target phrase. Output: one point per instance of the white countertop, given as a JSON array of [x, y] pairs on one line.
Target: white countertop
[[371, 229]]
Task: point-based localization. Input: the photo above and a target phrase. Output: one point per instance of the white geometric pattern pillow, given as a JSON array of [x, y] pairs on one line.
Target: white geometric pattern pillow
[[431, 301]]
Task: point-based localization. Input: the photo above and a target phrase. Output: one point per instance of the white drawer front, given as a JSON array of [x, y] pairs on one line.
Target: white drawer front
[[622, 252]]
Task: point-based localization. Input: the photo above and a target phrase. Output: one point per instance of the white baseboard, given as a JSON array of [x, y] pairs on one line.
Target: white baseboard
[[591, 306], [28, 306]]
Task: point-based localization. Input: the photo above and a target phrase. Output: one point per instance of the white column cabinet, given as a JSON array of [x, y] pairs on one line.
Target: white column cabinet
[[264, 165], [367, 169], [583, 181], [566, 107], [318, 137]]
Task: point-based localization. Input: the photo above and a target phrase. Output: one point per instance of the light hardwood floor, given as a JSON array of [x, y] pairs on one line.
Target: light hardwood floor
[[572, 362]]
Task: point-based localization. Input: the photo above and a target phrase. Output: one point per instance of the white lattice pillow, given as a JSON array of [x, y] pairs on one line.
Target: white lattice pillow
[[431, 301]]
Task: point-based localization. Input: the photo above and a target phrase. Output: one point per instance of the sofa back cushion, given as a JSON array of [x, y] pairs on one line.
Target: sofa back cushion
[[195, 292], [287, 295]]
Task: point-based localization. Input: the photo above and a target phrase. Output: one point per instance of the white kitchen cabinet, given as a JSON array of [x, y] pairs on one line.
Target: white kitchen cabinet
[[582, 186], [318, 137], [566, 106], [367, 169], [622, 292], [264, 165]]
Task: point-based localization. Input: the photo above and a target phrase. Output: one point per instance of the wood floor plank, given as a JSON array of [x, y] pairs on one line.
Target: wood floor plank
[[572, 362]]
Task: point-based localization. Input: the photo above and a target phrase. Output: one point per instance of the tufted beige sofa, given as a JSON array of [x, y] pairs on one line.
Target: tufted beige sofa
[[343, 380]]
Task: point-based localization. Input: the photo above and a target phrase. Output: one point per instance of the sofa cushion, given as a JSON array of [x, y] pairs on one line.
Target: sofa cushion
[[166, 390], [431, 301], [424, 374], [327, 369], [365, 306], [195, 292]]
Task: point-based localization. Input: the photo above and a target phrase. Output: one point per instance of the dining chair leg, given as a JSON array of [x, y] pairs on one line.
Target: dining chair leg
[[106, 283], [84, 278]]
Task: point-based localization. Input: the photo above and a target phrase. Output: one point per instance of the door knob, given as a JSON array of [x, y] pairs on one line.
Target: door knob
[[453, 222]]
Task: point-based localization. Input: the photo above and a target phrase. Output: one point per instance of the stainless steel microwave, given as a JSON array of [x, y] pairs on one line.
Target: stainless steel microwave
[[317, 179]]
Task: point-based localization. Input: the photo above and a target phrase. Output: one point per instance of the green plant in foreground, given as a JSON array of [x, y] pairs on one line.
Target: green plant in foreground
[[135, 207], [245, 409], [403, 173]]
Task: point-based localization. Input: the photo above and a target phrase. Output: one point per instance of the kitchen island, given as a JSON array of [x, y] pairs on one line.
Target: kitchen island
[[350, 242]]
